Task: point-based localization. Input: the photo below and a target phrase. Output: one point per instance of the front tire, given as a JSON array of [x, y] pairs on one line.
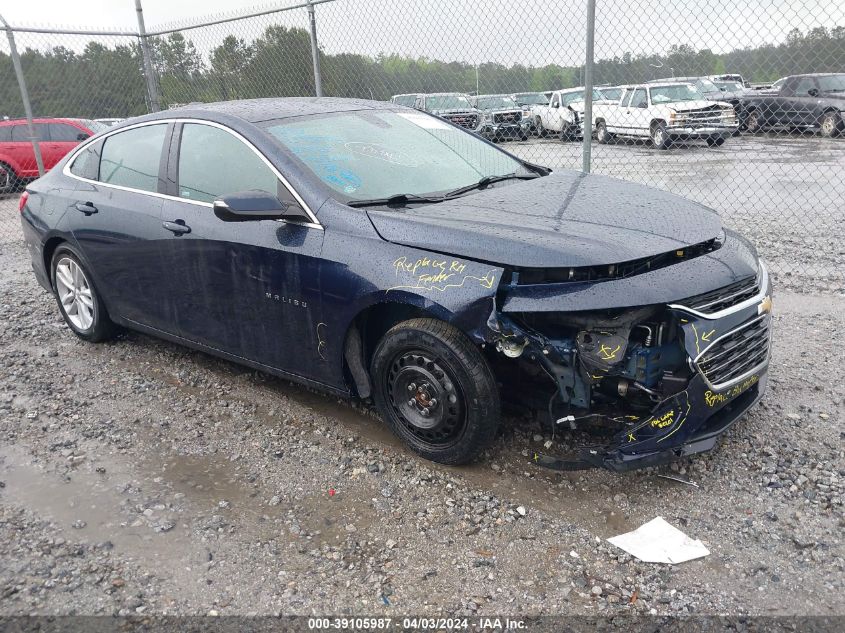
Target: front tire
[[8, 179], [79, 302], [831, 124], [715, 141], [659, 136], [602, 135], [436, 391]]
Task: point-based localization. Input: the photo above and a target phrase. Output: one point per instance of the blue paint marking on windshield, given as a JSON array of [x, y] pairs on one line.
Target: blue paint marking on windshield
[[323, 154]]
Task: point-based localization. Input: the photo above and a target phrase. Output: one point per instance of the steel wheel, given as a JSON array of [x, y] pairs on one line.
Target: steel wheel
[[7, 178], [74, 293], [426, 399]]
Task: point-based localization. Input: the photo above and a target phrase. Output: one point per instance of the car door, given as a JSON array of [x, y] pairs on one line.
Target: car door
[[801, 108], [21, 150], [118, 199], [245, 288], [550, 116], [63, 138], [618, 116], [638, 115]]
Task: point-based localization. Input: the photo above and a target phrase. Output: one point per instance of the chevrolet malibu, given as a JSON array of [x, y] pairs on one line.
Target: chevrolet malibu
[[375, 251]]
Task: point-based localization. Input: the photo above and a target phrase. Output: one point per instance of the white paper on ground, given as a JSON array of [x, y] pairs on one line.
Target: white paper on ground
[[659, 542]]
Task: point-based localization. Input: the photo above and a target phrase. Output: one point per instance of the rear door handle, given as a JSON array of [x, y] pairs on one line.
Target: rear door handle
[[177, 227], [86, 207]]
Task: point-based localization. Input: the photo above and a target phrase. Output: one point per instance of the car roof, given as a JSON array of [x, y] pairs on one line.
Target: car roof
[[444, 94], [497, 95], [271, 108], [20, 120]]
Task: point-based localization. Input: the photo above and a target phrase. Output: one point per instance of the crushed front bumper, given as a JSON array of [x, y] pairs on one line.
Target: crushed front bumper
[[728, 352]]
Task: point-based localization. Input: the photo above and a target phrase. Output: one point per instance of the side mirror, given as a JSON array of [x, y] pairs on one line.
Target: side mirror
[[813, 92], [245, 206]]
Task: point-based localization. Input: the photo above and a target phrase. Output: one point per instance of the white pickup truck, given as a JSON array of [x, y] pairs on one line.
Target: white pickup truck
[[558, 116], [664, 112]]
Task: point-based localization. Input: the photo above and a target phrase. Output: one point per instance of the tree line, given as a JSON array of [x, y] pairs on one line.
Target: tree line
[[108, 81]]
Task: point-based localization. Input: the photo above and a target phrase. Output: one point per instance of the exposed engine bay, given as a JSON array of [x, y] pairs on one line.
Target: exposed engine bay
[[629, 373]]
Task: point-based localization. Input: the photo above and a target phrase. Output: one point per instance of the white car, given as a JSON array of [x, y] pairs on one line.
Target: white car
[[565, 112], [664, 112]]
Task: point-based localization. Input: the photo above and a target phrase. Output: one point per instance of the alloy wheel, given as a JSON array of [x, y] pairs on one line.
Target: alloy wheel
[[75, 294]]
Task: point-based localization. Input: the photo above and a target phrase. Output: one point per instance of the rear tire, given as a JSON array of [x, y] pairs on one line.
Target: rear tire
[[831, 124], [79, 302], [9, 180], [435, 390], [715, 141]]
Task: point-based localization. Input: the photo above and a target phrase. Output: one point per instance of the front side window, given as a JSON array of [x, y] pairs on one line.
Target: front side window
[[804, 86], [62, 132], [555, 101], [5, 133], [832, 83], [131, 158], [213, 163], [375, 154]]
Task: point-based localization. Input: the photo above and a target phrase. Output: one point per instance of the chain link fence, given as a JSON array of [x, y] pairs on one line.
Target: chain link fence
[[662, 70]]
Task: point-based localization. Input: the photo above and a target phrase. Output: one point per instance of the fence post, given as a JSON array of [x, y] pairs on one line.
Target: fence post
[[149, 69], [27, 108], [315, 54], [586, 155]]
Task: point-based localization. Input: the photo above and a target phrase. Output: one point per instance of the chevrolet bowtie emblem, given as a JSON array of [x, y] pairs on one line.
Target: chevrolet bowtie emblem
[[765, 305]]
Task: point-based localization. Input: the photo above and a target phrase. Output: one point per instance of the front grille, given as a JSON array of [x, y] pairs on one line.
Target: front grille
[[469, 121], [725, 297], [507, 117], [737, 354], [710, 114]]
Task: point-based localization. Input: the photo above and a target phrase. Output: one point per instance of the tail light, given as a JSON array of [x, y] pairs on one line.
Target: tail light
[[22, 201]]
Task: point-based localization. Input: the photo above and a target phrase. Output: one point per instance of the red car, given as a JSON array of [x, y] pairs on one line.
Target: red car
[[56, 137]]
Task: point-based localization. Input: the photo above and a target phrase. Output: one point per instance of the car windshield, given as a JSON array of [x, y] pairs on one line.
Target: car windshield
[[496, 103], [611, 94], [677, 92], [728, 86], [532, 98], [832, 83], [367, 155], [446, 102]]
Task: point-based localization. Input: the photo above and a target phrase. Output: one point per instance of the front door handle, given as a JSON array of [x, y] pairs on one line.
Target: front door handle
[[85, 207], [177, 227]]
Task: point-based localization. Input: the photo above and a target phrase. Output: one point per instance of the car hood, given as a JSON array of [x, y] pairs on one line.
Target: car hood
[[566, 219], [684, 106]]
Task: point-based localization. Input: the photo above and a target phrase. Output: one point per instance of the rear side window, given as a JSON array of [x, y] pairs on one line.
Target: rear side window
[[131, 158], [62, 132], [87, 162], [5, 133], [213, 163]]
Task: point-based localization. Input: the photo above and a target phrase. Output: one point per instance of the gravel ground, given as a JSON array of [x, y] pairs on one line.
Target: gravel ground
[[141, 477]]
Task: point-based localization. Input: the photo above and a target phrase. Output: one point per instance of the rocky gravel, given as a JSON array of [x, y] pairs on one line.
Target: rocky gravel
[[138, 477]]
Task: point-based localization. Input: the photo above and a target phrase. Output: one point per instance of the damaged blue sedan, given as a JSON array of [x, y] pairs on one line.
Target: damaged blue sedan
[[375, 251]]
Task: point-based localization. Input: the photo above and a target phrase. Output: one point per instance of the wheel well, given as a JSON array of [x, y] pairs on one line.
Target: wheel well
[[599, 120], [50, 248], [363, 336], [655, 122]]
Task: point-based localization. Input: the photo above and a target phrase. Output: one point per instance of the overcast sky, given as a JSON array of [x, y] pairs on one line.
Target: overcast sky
[[509, 31]]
